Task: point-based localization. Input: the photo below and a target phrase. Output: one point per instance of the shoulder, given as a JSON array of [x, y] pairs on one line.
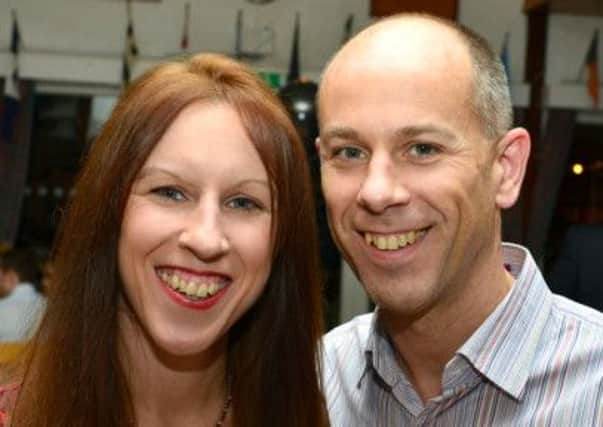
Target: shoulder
[[566, 375], [344, 361], [567, 311], [345, 345], [576, 336], [352, 334]]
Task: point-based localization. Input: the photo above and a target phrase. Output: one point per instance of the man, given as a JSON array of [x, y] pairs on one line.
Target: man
[[20, 304], [417, 160]]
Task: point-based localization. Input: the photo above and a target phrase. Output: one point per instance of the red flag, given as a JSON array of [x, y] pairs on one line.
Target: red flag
[[592, 67]]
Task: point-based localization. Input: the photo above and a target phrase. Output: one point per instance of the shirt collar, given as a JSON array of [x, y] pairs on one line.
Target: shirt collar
[[504, 346], [380, 354]]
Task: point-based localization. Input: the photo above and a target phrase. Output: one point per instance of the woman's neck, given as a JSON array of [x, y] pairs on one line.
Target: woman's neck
[[169, 389]]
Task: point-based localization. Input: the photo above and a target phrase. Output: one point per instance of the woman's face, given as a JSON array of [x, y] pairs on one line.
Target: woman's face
[[195, 248]]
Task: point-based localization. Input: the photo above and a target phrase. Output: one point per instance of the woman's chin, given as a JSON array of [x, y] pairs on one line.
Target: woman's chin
[[189, 352]]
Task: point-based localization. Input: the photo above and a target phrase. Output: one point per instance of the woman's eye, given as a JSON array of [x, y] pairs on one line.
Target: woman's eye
[[349, 153], [243, 203], [423, 150], [169, 193]]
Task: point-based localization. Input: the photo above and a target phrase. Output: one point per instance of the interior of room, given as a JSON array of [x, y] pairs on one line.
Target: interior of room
[[74, 58]]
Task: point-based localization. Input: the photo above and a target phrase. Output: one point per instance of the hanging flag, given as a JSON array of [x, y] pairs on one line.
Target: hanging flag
[[592, 69], [187, 12], [347, 28], [239, 35], [130, 49], [293, 74], [11, 84], [504, 56]]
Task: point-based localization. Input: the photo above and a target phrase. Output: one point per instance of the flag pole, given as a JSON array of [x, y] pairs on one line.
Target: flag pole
[[185, 28], [293, 74]]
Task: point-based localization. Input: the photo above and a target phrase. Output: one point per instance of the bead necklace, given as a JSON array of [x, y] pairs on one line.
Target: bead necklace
[[227, 402], [225, 409]]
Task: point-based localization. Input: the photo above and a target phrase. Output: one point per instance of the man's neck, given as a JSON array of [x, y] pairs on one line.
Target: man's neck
[[426, 343]]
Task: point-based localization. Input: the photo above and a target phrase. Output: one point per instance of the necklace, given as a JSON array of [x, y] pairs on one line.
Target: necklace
[[227, 402], [225, 409]]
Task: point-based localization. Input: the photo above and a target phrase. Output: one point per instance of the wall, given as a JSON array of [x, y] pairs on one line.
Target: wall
[[568, 40], [81, 41]]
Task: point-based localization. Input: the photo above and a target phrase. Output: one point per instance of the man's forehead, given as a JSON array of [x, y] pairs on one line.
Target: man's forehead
[[413, 45], [401, 40]]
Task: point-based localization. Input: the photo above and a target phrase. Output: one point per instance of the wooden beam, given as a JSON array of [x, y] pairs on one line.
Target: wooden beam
[[443, 8], [570, 7]]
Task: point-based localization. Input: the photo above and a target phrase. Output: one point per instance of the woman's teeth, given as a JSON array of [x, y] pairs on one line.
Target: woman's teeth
[[192, 289], [393, 242]]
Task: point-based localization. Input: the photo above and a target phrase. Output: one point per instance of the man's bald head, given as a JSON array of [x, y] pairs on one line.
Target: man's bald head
[[414, 41]]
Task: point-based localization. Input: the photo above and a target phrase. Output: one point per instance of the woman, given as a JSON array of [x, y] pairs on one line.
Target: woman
[[185, 285]]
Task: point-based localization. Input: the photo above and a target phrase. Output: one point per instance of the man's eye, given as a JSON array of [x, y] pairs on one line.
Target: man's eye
[[349, 153], [169, 193], [243, 203], [423, 150]]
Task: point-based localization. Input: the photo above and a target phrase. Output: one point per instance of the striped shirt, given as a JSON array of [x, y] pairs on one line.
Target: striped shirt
[[537, 360]]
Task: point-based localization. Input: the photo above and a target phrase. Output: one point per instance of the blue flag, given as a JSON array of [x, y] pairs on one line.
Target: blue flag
[[11, 86]]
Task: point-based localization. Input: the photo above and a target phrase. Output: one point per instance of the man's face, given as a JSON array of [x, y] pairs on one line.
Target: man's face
[[406, 175]]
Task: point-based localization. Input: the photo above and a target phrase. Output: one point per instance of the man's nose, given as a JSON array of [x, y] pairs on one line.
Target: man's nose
[[383, 185]]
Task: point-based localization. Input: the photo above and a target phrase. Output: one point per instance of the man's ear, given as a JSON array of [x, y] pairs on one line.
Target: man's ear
[[512, 153]]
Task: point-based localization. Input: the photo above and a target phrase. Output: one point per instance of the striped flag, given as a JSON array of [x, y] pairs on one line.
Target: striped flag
[[130, 49], [187, 13], [11, 85], [592, 68]]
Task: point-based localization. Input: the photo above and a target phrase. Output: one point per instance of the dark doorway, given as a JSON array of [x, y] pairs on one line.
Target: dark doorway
[[580, 198], [58, 135]]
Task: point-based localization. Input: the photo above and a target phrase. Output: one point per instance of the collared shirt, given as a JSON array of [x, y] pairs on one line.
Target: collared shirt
[[20, 313], [536, 360]]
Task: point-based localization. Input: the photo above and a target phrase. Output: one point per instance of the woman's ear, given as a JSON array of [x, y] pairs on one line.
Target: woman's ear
[[513, 151]]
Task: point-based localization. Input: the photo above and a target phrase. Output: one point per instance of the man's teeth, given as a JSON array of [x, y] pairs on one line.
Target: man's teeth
[[192, 289], [393, 242]]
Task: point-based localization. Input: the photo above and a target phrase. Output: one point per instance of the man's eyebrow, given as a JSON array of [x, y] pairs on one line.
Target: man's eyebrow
[[409, 132], [342, 132], [402, 133]]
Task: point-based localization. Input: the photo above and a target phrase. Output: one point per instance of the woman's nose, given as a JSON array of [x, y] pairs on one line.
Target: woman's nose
[[203, 233]]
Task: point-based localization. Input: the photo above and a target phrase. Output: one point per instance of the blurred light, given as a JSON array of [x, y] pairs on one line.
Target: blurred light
[[57, 192], [577, 168]]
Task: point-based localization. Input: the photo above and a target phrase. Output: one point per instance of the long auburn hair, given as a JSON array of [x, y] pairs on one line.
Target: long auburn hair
[[72, 375]]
